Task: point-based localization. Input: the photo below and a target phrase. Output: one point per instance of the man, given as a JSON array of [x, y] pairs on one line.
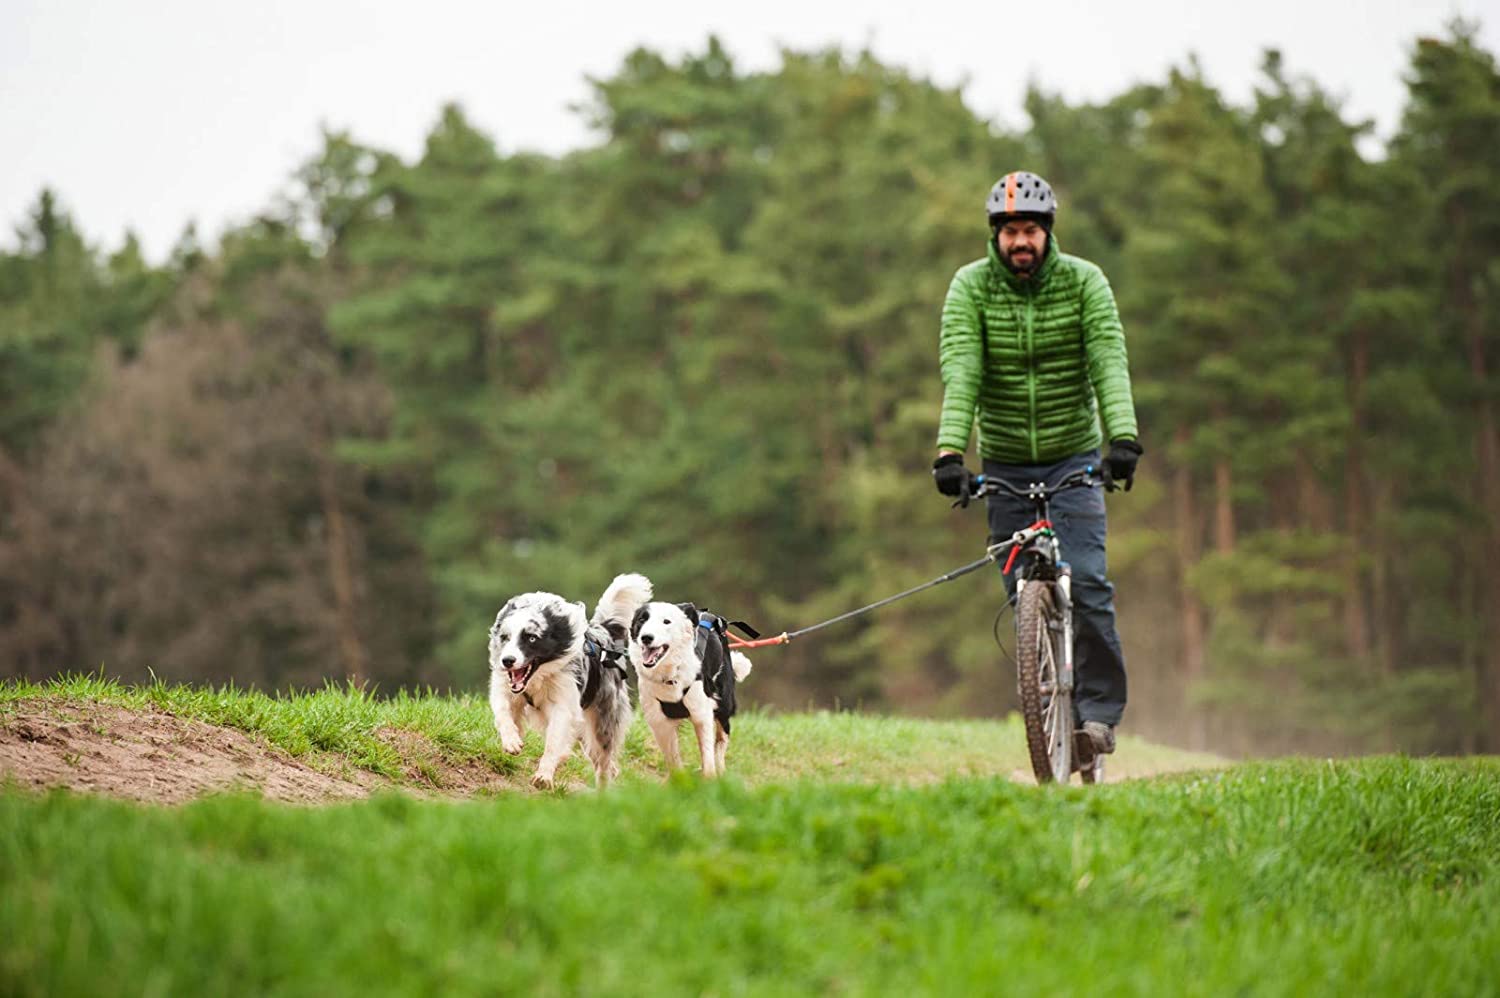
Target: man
[[1031, 343]]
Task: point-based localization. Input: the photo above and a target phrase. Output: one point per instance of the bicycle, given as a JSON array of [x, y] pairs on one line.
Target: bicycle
[[1044, 632]]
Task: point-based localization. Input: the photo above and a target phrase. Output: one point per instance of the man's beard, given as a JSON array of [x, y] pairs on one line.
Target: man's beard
[[1033, 261]]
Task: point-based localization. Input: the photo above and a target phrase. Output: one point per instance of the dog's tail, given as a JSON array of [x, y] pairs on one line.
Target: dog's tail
[[625, 595], [741, 663]]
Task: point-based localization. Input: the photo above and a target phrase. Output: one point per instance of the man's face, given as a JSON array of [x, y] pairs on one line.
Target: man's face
[[1022, 244]]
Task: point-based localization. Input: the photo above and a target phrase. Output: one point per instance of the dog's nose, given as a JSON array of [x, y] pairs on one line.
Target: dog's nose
[[508, 661], [647, 640]]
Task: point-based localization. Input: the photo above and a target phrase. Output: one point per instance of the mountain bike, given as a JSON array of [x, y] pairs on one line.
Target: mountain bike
[[1044, 632]]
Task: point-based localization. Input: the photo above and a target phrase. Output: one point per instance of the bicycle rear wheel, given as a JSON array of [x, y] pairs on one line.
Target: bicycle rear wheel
[[1046, 710]]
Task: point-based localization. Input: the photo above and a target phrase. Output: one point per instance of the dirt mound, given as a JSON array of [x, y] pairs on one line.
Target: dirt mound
[[149, 755], [429, 770]]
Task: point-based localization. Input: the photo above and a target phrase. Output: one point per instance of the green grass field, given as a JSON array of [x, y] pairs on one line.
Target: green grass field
[[830, 861], [336, 728]]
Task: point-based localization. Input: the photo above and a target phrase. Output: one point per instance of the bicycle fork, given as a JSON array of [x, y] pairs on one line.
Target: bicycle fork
[[1065, 612], [1063, 647]]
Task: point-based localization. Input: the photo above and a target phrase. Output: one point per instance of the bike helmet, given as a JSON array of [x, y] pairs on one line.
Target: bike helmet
[[1021, 194]]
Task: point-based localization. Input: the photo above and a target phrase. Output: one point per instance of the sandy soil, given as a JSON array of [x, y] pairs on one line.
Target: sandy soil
[[149, 755], [155, 757]]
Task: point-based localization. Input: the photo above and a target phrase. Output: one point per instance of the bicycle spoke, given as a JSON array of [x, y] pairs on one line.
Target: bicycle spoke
[[1045, 708]]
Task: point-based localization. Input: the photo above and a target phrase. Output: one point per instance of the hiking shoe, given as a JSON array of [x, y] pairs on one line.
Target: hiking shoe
[[1102, 735]]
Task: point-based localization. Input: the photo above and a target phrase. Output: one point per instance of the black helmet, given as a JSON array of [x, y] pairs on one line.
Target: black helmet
[[1021, 195]]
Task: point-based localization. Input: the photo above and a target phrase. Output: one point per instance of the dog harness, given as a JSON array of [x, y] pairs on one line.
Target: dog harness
[[711, 626], [600, 652], [674, 708]]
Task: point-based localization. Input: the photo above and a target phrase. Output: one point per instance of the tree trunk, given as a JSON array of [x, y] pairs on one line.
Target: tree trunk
[[1356, 517], [1223, 502], [1314, 510], [1389, 623], [341, 574], [1223, 508], [1189, 550], [11, 477]]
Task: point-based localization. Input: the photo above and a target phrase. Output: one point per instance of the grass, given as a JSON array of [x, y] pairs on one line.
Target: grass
[[336, 727], [334, 721], [1291, 877], [1371, 877]]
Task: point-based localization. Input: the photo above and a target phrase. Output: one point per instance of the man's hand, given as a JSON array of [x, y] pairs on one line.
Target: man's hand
[[1119, 466], [952, 478]]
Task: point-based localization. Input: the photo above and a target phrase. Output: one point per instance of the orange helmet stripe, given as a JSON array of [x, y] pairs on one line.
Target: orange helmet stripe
[[1010, 192]]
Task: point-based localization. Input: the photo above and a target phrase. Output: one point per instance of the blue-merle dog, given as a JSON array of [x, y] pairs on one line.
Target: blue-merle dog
[[557, 671], [686, 673]]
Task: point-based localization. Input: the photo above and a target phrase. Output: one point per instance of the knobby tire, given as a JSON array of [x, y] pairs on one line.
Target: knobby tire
[[1048, 719]]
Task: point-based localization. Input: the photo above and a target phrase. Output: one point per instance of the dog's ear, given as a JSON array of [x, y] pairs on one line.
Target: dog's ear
[[639, 620], [509, 605], [558, 634], [692, 613]]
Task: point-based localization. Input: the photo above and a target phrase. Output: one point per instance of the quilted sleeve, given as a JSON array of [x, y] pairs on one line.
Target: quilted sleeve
[[961, 362], [1109, 366]]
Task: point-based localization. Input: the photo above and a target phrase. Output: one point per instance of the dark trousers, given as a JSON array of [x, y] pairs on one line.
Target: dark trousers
[[1078, 519]]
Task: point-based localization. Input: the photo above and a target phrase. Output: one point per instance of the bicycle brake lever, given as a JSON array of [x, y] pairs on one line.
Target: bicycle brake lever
[[978, 490]]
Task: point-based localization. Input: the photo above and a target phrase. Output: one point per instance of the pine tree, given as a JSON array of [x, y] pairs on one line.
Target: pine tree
[[1449, 136]]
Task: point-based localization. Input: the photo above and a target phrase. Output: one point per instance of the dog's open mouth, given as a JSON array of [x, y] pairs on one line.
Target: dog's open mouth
[[650, 656], [520, 676]]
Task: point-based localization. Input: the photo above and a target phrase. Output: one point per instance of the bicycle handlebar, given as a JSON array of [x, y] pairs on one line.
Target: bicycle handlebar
[[1084, 478]]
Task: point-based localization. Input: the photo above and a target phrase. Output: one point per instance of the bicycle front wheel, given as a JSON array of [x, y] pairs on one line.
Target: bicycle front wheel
[[1046, 709]]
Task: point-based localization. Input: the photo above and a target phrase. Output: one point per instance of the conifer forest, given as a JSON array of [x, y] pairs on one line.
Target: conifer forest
[[327, 444]]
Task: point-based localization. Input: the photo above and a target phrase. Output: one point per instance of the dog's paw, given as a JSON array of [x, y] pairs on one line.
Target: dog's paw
[[542, 781], [512, 745]]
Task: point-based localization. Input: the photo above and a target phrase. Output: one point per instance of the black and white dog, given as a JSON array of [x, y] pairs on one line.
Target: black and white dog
[[686, 672], [555, 670]]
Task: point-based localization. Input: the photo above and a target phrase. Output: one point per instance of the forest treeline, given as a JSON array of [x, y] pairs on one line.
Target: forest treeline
[[705, 348]]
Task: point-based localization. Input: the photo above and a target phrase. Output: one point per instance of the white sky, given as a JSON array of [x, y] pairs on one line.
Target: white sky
[[145, 114]]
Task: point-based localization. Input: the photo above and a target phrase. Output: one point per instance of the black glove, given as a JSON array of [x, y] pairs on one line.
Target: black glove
[[1119, 466], [952, 478]]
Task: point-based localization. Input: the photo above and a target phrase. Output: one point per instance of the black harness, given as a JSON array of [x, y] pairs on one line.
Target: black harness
[[715, 667], [598, 655], [675, 709], [600, 652]]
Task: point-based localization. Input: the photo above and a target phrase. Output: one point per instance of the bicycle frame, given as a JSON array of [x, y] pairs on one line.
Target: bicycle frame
[[1041, 557], [1042, 564]]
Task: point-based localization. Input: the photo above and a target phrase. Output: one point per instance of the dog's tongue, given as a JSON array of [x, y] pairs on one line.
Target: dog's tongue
[[654, 654], [518, 679]]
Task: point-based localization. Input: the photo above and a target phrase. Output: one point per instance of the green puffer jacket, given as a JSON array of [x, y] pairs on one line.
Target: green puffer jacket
[[1041, 361]]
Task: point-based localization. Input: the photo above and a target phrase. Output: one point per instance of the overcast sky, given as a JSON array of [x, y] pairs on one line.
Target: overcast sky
[[148, 114]]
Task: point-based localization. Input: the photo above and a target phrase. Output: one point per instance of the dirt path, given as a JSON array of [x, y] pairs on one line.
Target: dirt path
[[149, 755]]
